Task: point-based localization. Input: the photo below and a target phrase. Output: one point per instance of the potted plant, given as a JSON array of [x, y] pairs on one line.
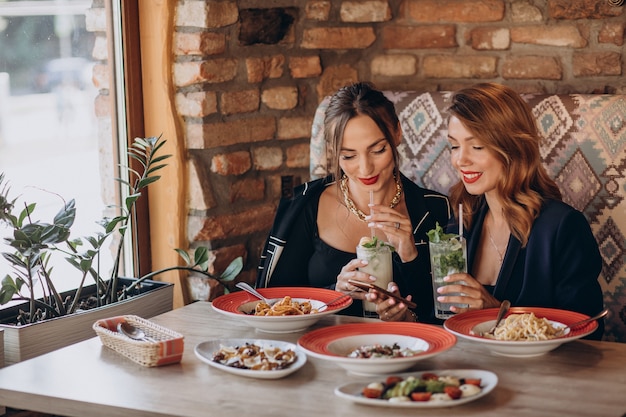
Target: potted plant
[[58, 319]]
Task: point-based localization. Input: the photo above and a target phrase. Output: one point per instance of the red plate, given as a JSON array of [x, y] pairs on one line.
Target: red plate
[[463, 323], [231, 302], [317, 341]]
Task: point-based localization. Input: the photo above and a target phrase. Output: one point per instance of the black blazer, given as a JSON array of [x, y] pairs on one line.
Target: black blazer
[[558, 268]]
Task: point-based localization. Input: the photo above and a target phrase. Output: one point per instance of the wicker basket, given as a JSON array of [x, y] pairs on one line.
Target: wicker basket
[[166, 346]]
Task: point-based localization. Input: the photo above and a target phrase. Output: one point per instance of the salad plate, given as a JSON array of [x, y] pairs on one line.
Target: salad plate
[[205, 351], [472, 324], [335, 343], [353, 391], [240, 305]]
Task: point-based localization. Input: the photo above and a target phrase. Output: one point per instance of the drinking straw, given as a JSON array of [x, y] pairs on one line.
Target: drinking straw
[[460, 221], [373, 232]]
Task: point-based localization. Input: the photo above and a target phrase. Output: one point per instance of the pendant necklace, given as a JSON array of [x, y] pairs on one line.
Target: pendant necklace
[[343, 185], [493, 243]]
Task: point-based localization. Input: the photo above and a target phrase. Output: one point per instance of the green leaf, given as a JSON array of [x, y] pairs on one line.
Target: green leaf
[[233, 269], [183, 254], [201, 258]]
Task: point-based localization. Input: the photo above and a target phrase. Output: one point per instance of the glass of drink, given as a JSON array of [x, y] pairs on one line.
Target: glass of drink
[[379, 265], [447, 256]]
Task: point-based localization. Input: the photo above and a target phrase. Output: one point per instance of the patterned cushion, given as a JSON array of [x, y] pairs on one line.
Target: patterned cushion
[[584, 151]]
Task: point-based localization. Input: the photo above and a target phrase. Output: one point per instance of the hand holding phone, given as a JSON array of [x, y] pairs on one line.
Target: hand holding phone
[[366, 286]]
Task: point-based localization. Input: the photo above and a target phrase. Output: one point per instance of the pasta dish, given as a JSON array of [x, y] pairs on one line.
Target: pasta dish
[[285, 307], [255, 357], [523, 327]]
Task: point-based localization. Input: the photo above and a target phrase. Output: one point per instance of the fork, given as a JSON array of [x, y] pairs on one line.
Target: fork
[[334, 300]]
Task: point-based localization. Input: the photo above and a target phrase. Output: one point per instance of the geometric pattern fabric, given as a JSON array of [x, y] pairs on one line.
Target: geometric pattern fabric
[[583, 150]]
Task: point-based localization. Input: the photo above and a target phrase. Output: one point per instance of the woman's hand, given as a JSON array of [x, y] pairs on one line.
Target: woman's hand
[[350, 271], [397, 229], [387, 308], [476, 297]]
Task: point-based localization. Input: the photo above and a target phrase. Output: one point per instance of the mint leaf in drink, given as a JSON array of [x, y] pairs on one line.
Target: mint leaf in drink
[[374, 242], [437, 234]]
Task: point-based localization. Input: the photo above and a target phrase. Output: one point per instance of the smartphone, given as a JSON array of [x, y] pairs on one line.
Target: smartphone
[[366, 286]]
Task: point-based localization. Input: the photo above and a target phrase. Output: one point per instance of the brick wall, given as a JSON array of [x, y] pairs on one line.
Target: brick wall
[[249, 74]]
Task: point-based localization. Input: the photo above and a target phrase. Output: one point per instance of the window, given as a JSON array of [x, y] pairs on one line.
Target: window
[[63, 108]]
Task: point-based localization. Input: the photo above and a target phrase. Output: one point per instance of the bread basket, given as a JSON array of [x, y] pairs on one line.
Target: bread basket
[[165, 347]]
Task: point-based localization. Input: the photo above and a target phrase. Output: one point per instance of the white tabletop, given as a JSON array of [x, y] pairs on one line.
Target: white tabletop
[[581, 378]]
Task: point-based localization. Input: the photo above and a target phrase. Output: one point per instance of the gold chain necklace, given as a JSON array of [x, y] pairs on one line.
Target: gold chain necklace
[[343, 185]]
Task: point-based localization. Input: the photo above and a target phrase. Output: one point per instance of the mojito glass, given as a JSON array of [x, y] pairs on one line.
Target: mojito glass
[[380, 266], [447, 257]]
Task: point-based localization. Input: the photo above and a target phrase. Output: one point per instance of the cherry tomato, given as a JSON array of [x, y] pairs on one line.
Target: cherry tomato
[[473, 381], [392, 380], [421, 396], [454, 392], [371, 392], [427, 376]]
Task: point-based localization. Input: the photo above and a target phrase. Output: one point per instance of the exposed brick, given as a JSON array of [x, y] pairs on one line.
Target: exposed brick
[[199, 193], [213, 71], [582, 9], [522, 12], [194, 135], [305, 66], [256, 219], [266, 26], [612, 32], [317, 10], [235, 163], [460, 66], [419, 37], [212, 14], [247, 189], [238, 131], [199, 43], [334, 78], [96, 19], [239, 101], [338, 38], [365, 11], [261, 68], [280, 98], [100, 76], [267, 158], [102, 105], [224, 256], [527, 67], [488, 38], [196, 104], [298, 156], [455, 10], [100, 49], [394, 65], [294, 127], [560, 35], [596, 63]]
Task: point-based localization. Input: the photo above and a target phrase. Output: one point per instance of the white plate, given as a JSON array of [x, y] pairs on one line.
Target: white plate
[[237, 304], [334, 343], [352, 391], [470, 325], [206, 350]]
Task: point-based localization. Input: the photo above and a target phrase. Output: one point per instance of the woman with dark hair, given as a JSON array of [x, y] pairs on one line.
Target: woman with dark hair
[[524, 244], [316, 232]]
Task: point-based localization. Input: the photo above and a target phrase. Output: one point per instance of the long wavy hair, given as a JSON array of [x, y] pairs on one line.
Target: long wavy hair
[[348, 102], [504, 123]]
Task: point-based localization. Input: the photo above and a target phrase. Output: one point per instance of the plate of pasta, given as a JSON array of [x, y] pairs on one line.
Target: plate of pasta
[[253, 358], [524, 332], [376, 348], [292, 309]]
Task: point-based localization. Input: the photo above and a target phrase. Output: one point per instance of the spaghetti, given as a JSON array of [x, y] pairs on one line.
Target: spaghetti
[[524, 327], [285, 307]]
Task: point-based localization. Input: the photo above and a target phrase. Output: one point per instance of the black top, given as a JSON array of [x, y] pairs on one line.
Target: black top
[[305, 260]]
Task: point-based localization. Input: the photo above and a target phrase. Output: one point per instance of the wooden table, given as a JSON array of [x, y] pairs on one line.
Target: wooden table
[[581, 378]]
